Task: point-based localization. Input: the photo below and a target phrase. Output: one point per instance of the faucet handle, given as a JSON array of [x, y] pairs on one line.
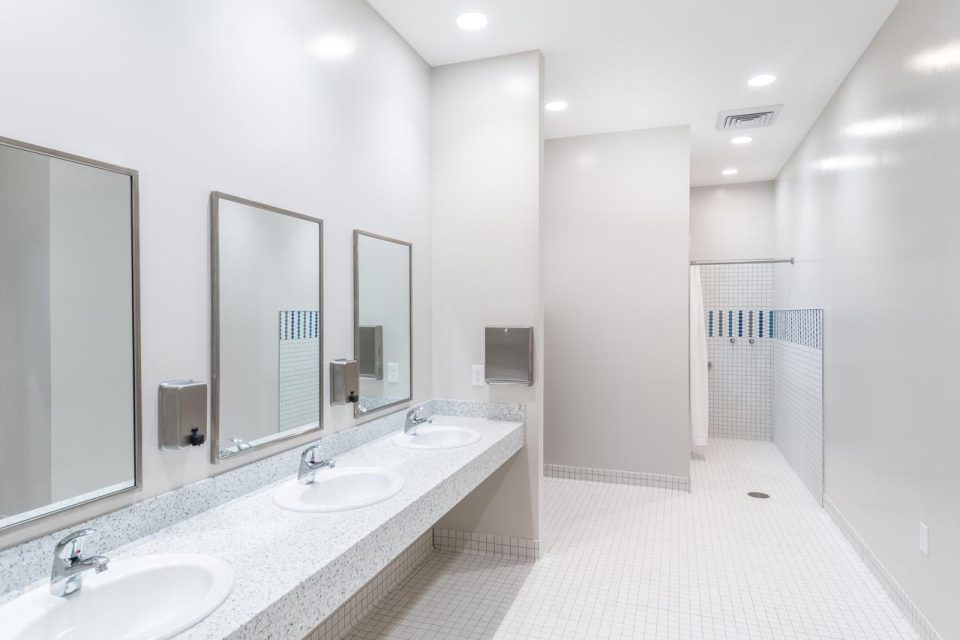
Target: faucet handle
[[311, 454], [75, 542]]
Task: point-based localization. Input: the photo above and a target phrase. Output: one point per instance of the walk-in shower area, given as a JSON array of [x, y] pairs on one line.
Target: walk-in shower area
[[765, 364]]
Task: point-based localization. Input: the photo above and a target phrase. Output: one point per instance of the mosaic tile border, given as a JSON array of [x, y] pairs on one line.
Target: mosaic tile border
[[660, 481], [799, 326], [500, 547], [346, 617], [299, 325], [920, 623]]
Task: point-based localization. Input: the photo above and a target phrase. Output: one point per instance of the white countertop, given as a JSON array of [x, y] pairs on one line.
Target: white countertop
[[294, 569]]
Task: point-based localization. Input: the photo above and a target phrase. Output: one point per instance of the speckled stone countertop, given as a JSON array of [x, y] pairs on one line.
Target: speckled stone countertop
[[294, 569]]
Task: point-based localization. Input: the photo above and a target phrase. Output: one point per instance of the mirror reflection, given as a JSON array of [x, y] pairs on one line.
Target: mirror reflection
[[69, 389], [382, 268], [267, 324]]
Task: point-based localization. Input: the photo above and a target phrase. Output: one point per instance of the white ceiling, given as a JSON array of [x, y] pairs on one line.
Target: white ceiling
[[634, 64]]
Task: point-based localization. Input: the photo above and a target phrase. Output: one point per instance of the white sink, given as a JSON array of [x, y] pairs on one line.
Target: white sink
[[437, 437], [146, 598], [339, 490]]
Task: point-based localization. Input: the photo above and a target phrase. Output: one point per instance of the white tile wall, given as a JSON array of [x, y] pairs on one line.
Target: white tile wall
[[299, 369], [625, 562], [798, 409], [740, 376], [299, 383]]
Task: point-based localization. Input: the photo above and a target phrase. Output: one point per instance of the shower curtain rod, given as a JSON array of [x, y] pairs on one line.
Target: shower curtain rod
[[749, 261]]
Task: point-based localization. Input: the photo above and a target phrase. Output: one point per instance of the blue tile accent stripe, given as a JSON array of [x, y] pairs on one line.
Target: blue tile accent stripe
[[299, 325], [800, 326]]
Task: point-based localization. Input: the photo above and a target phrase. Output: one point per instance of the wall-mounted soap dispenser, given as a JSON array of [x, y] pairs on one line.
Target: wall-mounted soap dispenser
[[344, 381], [183, 414]]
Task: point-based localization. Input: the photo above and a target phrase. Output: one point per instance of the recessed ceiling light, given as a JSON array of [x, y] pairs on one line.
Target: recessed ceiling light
[[762, 80], [742, 140], [472, 21], [556, 105], [731, 172]]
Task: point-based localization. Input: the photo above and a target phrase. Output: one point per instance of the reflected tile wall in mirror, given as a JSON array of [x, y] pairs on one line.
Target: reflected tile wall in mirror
[[267, 324]]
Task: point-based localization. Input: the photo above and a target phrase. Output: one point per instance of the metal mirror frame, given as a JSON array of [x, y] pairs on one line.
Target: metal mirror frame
[[215, 452], [134, 176], [356, 312]]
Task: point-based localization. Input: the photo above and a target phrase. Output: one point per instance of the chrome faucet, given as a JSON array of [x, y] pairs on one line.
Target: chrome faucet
[[310, 463], [414, 420], [67, 574]]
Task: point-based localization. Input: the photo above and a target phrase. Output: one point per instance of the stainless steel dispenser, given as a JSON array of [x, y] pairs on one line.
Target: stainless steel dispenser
[[183, 414], [508, 357], [344, 381]]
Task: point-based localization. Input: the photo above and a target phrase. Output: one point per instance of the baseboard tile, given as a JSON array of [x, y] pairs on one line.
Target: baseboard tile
[[589, 474], [890, 585], [340, 622], [500, 547]]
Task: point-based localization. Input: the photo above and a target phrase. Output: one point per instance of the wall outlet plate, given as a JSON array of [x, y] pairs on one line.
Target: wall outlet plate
[[477, 375], [924, 539], [393, 372]]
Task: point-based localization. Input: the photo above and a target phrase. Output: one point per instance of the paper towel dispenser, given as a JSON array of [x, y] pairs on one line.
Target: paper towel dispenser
[[508, 355]]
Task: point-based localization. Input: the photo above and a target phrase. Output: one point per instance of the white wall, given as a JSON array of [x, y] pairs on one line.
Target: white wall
[[868, 204], [237, 96], [733, 222], [486, 262], [616, 256]]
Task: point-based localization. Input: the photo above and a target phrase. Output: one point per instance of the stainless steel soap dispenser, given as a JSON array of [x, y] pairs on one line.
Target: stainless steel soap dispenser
[[183, 414]]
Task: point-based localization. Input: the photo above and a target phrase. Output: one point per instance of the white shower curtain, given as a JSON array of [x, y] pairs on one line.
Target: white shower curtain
[[699, 383]]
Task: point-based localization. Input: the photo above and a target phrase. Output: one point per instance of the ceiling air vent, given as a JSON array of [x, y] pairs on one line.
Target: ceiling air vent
[[748, 118]]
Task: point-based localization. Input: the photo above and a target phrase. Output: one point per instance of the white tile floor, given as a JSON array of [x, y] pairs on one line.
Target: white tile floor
[[624, 561]]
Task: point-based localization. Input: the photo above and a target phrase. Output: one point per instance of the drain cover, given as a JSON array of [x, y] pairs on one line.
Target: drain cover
[[759, 494]]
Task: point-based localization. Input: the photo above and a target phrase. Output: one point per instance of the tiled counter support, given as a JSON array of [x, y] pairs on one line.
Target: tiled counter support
[[484, 544]]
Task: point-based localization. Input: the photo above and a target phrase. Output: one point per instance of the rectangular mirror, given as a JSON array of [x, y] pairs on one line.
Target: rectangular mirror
[[69, 332], [382, 273], [266, 382]]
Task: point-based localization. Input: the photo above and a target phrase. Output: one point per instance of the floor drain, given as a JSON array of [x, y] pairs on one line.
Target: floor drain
[[759, 494]]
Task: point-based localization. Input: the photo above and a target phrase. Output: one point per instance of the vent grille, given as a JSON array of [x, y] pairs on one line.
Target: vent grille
[[753, 118]]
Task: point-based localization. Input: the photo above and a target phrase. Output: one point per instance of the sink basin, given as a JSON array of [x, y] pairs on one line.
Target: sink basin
[[339, 490], [146, 598], [437, 437]]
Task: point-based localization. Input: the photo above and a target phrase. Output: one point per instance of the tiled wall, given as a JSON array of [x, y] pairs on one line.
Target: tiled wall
[[502, 547], [737, 300], [299, 369], [798, 393], [617, 477]]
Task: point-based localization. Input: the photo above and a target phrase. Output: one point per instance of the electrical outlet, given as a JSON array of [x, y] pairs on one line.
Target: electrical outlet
[[477, 372], [393, 372], [924, 539]]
